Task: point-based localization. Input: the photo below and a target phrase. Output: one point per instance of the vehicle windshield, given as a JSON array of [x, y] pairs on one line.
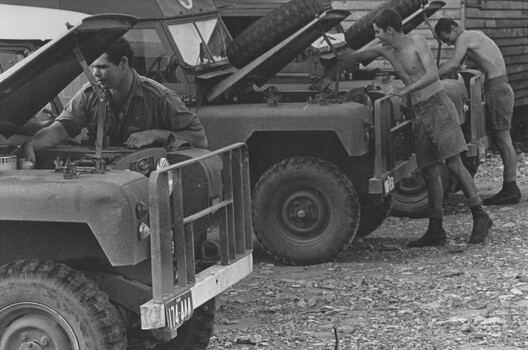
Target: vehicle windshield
[[201, 42]]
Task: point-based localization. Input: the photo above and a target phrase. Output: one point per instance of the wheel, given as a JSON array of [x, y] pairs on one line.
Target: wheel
[[196, 332], [410, 197], [361, 32], [373, 215], [45, 305], [270, 30], [305, 211]]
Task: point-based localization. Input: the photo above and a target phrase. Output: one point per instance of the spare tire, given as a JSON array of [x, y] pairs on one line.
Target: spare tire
[[362, 31], [273, 28]]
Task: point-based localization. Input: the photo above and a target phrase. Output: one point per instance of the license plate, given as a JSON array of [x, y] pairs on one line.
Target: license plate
[[178, 310], [389, 184]]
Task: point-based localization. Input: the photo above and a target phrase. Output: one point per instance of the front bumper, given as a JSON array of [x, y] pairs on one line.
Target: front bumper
[[177, 307]]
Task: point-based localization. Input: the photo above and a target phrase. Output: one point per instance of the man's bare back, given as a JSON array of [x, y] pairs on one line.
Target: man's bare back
[[483, 51], [473, 44]]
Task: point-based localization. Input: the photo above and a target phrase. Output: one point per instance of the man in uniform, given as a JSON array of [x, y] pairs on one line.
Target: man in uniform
[[140, 112], [499, 96], [437, 132]]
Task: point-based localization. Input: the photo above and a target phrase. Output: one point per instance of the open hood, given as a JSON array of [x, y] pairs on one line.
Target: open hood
[[266, 66], [143, 9], [263, 68], [29, 85]]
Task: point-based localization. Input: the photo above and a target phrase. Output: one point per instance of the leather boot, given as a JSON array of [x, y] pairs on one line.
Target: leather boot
[[434, 236], [481, 224], [509, 194]]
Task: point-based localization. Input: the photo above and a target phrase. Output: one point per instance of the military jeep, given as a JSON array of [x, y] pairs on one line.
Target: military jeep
[[410, 196], [112, 248]]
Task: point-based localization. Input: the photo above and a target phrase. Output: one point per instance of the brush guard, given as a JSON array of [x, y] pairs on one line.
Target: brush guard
[[391, 163], [175, 294]]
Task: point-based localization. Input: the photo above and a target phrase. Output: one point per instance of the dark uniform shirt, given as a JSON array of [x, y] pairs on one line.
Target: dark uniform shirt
[[150, 106]]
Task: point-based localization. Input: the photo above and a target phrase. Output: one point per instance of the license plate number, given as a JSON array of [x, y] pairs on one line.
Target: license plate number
[[178, 310], [389, 184]]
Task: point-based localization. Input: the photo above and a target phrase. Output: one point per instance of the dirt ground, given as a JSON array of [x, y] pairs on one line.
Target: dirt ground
[[380, 294]]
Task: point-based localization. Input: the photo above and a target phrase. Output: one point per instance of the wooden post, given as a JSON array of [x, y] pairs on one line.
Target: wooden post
[[463, 13]]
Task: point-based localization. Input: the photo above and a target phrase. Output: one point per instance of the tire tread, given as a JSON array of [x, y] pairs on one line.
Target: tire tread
[[270, 30], [109, 325]]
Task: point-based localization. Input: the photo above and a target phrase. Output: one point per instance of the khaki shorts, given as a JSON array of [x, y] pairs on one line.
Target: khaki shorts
[[437, 132], [499, 103]]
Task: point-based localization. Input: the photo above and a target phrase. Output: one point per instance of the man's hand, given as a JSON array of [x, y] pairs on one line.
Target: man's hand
[[395, 91], [141, 139]]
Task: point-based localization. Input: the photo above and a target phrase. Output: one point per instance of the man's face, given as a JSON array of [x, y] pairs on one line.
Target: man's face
[[107, 74], [382, 35], [448, 38]]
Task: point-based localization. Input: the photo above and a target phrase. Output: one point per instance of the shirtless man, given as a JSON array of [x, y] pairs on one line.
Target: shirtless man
[[437, 132], [499, 96]]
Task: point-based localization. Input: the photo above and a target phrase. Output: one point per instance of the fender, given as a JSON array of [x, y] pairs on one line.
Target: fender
[[457, 92], [107, 203], [227, 124]]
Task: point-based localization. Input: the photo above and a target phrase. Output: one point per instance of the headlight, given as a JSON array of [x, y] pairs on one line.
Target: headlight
[[162, 163]]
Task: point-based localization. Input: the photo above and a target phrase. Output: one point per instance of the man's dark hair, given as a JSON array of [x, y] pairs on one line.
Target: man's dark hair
[[444, 25], [121, 48], [389, 18]]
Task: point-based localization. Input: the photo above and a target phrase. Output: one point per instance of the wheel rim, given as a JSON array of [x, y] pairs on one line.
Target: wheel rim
[[303, 213], [34, 326]]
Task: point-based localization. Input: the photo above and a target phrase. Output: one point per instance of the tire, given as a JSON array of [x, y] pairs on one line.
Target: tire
[[362, 32], [48, 305], [196, 332], [373, 215], [410, 197], [270, 30], [305, 211]]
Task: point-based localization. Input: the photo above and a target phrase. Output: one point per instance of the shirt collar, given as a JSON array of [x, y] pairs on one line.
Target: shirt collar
[[137, 88]]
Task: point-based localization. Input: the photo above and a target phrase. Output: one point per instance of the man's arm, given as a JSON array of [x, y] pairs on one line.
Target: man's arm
[[426, 58], [456, 61], [347, 60], [148, 137], [176, 120], [45, 138]]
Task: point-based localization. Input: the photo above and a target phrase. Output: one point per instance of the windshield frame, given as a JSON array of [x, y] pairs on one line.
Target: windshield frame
[[193, 21]]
